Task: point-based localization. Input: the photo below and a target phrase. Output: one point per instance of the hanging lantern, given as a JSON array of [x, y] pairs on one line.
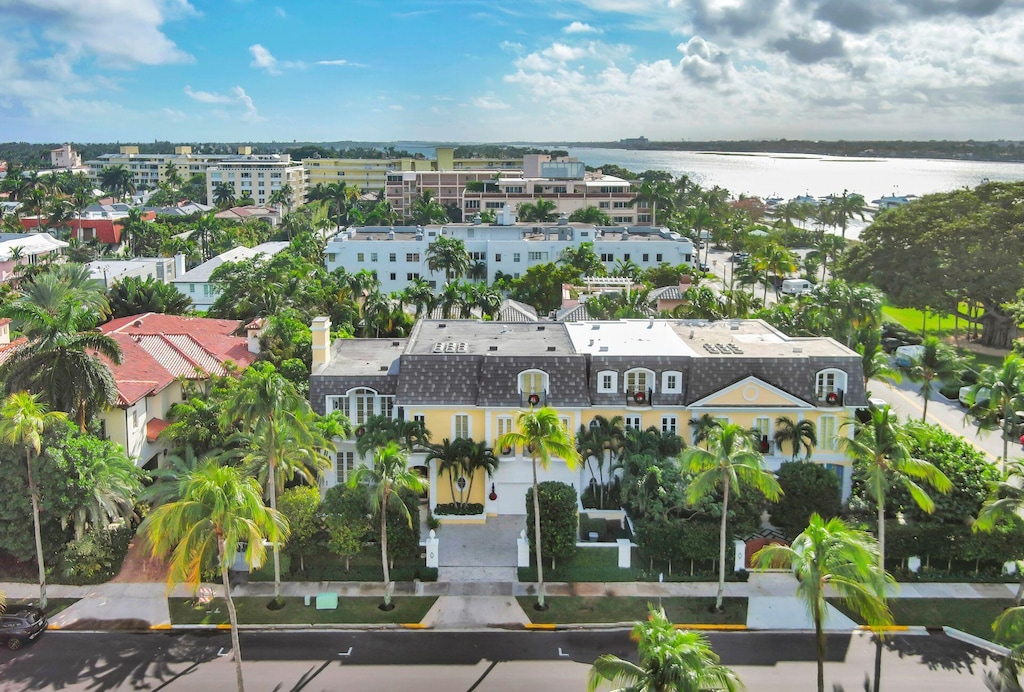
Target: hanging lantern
[[494, 495]]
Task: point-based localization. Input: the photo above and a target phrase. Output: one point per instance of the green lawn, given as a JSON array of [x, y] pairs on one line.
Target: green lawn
[[254, 611], [972, 615], [365, 566], [937, 325], [682, 611], [602, 564]]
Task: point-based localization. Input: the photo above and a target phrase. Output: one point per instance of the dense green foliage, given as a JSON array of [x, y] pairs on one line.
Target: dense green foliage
[[558, 517], [808, 488]]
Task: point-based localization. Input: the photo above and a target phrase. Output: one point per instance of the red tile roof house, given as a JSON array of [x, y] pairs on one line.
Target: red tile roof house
[[158, 351]]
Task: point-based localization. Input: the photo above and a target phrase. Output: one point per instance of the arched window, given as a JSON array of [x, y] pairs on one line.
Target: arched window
[[830, 382], [639, 380], [360, 404], [533, 382]]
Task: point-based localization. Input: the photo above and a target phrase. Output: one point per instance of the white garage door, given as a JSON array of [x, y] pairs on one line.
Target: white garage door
[[512, 498]]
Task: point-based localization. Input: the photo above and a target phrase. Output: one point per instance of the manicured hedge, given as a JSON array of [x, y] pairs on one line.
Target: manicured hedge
[[559, 520]]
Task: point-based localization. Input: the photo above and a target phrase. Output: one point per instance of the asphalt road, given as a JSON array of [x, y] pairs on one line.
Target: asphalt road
[[472, 661]]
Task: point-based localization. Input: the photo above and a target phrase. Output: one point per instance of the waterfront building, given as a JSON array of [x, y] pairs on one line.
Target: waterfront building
[[371, 175], [399, 254], [469, 379], [563, 181]]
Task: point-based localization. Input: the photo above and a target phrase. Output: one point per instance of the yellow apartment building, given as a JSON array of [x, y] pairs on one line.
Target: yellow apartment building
[[468, 378]]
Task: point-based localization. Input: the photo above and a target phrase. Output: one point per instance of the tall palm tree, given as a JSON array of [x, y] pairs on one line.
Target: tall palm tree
[[223, 195], [448, 255], [729, 463], [773, 259], [655, 193], [479, 457], [881, 447], [799, 434], [592, 215], [542, 434], [284, 440], [450, 460], [543, 210], [282, 197], [389, 477], [23, 420], [936, 362], [219, 510], [992, 400], [60, 362], [874, 361], [669, 659], [426, 209], [832, 557], [1005, 504], [844, 208], [48, 290], [115, 483]]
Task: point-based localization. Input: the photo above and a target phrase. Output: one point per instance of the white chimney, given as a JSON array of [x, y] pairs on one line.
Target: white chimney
[[321, 329], [179, 265], [253, 331]]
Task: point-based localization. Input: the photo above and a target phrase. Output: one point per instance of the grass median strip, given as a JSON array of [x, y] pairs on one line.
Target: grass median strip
[[971, 615], [581, 609], [254, 611]]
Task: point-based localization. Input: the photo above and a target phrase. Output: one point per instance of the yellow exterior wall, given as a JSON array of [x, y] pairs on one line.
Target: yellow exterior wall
[[478, 493]]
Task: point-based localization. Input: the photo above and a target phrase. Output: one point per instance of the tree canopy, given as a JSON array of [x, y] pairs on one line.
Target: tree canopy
[[946, 250]]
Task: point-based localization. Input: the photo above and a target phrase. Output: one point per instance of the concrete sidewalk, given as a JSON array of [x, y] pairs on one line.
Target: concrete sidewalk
[[772, 603]]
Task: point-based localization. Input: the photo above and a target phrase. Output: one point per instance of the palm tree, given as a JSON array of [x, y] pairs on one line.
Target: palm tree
[[223, 195], [115, 482], [583, 259], [832, 557], [655, 193], [591, 215], [881, 447], [426, 210], [1008, 629], [49, 289], [389, 477], [773, 259], [478, 457], [450, 460], [730, 461], [448, 255], [1005, 504], [284, 441], [669, 659], [846, 207], [992, 400], [543, 210], [117, 180], [544, 436], [282, 197], [801, 433], [874, 361], [219, 510], [936, 362], [23, 420], [60, 362], [701, 427], [205, 235]]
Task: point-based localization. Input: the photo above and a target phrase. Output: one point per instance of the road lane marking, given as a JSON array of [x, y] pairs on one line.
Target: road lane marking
[[562, 655], [346, 653]]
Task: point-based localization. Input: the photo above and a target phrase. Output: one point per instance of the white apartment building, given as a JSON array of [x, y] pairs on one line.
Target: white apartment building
[[149, 170], [258, 176], [399, 254]]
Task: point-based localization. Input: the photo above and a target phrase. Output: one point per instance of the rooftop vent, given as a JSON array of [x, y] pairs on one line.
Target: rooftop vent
[[383, 368], [396, 343], [735, 326], [595, 327], [797, 349], [442, 325], [450, 347], [540, 327], [603, 349], [550, 349], [492, 348]]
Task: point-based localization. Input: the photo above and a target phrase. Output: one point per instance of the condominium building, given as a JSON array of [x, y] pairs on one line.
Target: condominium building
[[399, 254], [370, 175], [469, 379], [563, 181], [149, 170], [258, 176]]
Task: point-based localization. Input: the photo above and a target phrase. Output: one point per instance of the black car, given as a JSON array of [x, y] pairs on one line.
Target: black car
[[21, 624]]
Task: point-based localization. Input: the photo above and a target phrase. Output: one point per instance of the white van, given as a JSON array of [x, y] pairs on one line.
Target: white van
[[796, 287], [906, 355]]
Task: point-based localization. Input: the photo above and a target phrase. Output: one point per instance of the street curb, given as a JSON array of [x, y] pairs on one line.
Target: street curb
[[974, 640]]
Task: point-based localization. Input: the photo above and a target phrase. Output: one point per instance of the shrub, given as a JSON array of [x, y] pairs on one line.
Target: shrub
[[559, 519], [96, 558], [456, 509], [808, 488], [674, 541]]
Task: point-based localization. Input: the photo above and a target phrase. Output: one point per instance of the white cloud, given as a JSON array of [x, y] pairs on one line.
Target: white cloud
[[580, 28], [236, 96], [490, 103], [279, 11], [263, 59], [333, 62], [118, 33]]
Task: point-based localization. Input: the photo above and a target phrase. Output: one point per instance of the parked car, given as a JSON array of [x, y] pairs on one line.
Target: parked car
[[703, 266], [740, 256], [22, 624]]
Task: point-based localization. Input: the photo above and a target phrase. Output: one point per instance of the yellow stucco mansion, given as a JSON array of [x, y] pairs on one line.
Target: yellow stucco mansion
[[468, 378]]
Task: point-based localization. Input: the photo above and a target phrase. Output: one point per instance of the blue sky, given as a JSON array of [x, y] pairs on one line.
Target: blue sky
[[476, 70]]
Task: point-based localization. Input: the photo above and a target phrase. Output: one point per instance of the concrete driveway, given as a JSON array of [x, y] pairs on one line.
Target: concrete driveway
[[480, 552]]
